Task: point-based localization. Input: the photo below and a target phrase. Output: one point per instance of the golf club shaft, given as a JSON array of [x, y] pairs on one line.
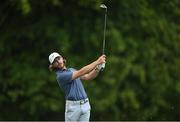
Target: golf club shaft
[[104, 36]]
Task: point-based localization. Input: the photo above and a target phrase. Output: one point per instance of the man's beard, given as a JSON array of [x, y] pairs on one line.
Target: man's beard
[[61, 66]]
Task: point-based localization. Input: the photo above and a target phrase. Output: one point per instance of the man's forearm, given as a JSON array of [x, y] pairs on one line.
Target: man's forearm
[[92, 74], [88, 68]]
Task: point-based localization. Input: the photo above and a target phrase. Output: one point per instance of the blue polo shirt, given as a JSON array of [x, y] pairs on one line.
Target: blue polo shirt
[[73, 89]]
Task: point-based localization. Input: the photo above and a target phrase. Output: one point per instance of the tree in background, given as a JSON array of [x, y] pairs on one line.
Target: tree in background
[[141, 79]]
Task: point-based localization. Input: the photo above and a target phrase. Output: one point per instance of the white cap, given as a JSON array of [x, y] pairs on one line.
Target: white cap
[[52, 56]]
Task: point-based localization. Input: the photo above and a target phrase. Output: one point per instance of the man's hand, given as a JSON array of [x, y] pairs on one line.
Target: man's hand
[[101, 63], [101, 59], [100, 67], [103, 66]]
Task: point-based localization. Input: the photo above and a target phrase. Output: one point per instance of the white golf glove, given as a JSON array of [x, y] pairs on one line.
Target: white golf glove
[[100, 67], [103, 65]]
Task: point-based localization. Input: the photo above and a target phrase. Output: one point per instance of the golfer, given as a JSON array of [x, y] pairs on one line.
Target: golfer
[[69, 80]]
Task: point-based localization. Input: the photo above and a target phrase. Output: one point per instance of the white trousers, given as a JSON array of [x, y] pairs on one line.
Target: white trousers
[[77, 111]]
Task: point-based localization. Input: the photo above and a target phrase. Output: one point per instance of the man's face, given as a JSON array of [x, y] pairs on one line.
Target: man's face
[[58, 62]]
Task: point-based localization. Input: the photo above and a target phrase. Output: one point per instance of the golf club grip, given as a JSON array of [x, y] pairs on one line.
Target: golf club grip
[[103, 66]]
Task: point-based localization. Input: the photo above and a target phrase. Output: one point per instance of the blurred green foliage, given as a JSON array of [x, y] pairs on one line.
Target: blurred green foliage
[[142, 74]]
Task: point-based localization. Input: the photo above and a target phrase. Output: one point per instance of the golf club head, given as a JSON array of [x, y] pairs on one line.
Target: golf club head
[[103, 6]]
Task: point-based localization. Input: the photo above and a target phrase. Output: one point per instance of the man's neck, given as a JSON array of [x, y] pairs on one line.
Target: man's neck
[[63, 68]]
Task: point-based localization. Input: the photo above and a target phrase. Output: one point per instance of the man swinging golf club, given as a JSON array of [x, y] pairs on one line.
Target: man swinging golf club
[[69, 79]]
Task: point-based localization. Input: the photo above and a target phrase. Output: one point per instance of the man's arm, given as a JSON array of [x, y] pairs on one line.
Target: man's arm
[[90, 75], [87, 69]]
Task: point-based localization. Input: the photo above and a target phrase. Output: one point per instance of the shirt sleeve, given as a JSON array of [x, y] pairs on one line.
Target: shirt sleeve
[[64, 77]]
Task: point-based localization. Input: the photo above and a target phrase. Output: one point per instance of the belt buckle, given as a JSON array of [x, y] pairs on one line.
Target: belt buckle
[[83, 101]]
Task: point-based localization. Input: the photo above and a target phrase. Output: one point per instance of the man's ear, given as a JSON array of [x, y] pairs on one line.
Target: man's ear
[[64, 60]]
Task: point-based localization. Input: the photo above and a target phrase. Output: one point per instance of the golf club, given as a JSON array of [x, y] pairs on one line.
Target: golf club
[[104, 36]]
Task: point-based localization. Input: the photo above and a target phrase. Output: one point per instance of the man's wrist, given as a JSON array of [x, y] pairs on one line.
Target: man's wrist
[[98, 68]]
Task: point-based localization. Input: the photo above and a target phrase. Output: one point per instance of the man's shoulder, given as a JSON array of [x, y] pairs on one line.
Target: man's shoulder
[[64, 75], [72, 69], [65, 72]]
